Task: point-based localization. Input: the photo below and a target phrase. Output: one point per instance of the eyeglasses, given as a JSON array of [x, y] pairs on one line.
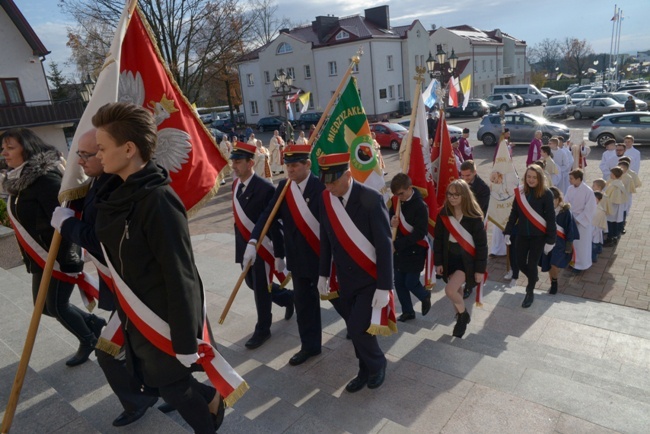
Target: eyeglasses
[[84, 156], [453, 195]]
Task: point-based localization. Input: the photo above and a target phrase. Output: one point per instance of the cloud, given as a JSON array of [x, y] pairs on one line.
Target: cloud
[[54, 36]]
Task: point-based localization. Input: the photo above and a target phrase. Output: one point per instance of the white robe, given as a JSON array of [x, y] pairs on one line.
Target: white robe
[[564, 161], [498, 247], [276, 158], [607, 161], [635, 156], [583, 206]]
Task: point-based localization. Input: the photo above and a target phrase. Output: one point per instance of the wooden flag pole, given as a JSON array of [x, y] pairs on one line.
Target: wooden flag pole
[[39, 304]]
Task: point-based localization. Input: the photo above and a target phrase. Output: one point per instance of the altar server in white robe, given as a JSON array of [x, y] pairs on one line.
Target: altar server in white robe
[[583, 206], [564, 161]]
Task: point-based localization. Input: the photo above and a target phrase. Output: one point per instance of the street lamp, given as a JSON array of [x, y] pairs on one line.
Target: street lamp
[[446, 67], [282, 83], [86, 89]]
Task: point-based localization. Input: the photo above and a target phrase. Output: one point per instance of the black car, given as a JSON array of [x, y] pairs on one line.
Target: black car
[[271, 123], [306, 120], [223, 124], [475, 108]]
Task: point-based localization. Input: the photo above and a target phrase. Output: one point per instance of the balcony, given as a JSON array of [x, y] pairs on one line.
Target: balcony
[[38, 113]]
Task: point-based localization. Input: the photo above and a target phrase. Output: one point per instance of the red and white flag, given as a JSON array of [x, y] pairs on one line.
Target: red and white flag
[[447, 169], [453, 92]]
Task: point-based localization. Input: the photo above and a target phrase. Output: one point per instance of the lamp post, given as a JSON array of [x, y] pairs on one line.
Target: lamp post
[[282, 84], [446, 68], [86, 89]]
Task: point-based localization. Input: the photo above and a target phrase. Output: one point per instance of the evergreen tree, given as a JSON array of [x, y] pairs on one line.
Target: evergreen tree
[[59, 83]]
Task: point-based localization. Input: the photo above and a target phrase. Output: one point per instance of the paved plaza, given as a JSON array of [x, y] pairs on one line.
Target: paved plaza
[[576, 362]]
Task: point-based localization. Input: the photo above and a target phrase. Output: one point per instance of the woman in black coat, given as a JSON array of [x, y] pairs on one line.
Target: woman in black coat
[[33, 184], [142, 225], [531, 240], [454, 263]]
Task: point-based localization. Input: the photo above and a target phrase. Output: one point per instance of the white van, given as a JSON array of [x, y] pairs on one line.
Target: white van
[[526, 91]]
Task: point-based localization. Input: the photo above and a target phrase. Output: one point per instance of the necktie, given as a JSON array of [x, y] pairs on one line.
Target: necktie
[[240, 189], [342, 201]]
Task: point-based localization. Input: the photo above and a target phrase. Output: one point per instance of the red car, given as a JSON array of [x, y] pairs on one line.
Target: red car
[[388, 134]]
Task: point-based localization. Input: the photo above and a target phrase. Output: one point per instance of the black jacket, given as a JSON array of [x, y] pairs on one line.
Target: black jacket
[[409, 256], [33, 197], [544, 207], [143, 226], [476, 264], [481, 193]]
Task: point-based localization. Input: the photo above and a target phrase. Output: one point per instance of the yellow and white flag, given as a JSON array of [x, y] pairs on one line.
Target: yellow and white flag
[[466, 87], [304, 100]]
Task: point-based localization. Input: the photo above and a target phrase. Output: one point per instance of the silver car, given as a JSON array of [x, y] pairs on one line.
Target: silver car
[[522, 128], [596, 107], [617, 126], [559, 106], [622, 97]]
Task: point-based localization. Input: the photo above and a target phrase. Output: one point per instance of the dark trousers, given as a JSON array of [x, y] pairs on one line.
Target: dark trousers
[[529, 251], [614, 229], [513, 258], [355, 308], [191, 398], [307, 302], [57, 305], [256, 280], [407, 284]]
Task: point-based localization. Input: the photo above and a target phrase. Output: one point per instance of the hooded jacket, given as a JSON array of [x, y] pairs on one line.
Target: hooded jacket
[[33, 197], [143, 226]]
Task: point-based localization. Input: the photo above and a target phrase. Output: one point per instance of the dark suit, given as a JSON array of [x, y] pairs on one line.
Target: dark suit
[[302, 261], [254, 200], [367, 210], [481, 193]]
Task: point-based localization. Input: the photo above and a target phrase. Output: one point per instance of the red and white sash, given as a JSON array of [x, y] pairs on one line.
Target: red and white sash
[[406, 228], [305, 221], [361, 251], [222, 376], [560, 233], [265, 251], [466, 241], [532, 215], [87, 284]]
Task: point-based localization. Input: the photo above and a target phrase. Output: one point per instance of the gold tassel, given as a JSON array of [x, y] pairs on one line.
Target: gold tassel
[[236, 394], [108, 347], [330, 296]]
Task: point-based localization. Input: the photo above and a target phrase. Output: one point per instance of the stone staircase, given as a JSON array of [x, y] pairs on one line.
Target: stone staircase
[[565, 365]]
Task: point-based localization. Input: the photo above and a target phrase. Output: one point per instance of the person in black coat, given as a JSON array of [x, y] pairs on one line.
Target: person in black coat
[[142, 224], [410, 248], [479, 188], [82, 232], [301, 254], [253, 194], [33, 185], [531, 241], [453, 262], [432, 125], [359, 291]]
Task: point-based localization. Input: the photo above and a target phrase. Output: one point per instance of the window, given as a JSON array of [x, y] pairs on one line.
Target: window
[[307, 69], [311, 100], [251, 79], [355, 67], [389, 62], [399, 91], [382, 93], [417, 33], [484, 66], [391, 92], [342, 35], [271, 106], [491, 64], [10, 92], [332, 68], [291, 73], [284, 48], [267, 77], [254, 110]]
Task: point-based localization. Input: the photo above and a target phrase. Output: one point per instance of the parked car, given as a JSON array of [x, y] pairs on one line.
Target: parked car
[[596, 107], [520, 99], [503, 101], [622, 97], [618, 125], [475, 108], [218, 134], [549, 92], [453, 131], [271, 123], [308, 119], [522, 128], [388, 134], [559, 106], [578, 89], [578, 97], [222, 124], [643, 95]]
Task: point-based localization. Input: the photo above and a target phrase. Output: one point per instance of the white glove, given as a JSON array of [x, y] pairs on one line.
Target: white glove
[[548, 248], [322, 285], [280, 264], [507, 237], [380, 299], [187, 359], [249, 255], [59, 216]]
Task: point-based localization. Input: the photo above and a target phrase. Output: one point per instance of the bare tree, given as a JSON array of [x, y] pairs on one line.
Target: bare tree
[[197, 38], [265, 25], [546, 53], [577, 55]]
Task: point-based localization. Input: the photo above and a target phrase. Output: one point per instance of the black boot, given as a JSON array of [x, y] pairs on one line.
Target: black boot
[[96, 324], [553, 289], [86, 348], [528, 300], [461, 324]]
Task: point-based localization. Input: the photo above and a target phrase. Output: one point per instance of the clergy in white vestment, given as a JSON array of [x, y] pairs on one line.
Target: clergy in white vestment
[[583, 206], [276, 144], [633, 153]]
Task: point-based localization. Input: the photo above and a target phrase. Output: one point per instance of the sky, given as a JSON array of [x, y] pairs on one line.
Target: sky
[[530, 20]]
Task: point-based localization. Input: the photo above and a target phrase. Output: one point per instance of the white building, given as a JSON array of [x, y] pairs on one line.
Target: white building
[[493, 57], [317, 56], [24, 94]]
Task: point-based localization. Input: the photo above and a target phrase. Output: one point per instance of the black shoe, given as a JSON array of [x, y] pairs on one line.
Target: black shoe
[[288, 313], [217, 419], [553, 289], [623, 232], [356, 384], [302, 356], [461, 324], [96, 324], [376, 380], [257, 340], [82, 354], [426, 305], [467, 292], [166, 408], [528, 300], [128, 417], [406, 316]]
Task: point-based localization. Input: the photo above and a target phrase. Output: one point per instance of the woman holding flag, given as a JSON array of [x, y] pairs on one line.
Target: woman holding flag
[[460, 247], [533, 213]]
